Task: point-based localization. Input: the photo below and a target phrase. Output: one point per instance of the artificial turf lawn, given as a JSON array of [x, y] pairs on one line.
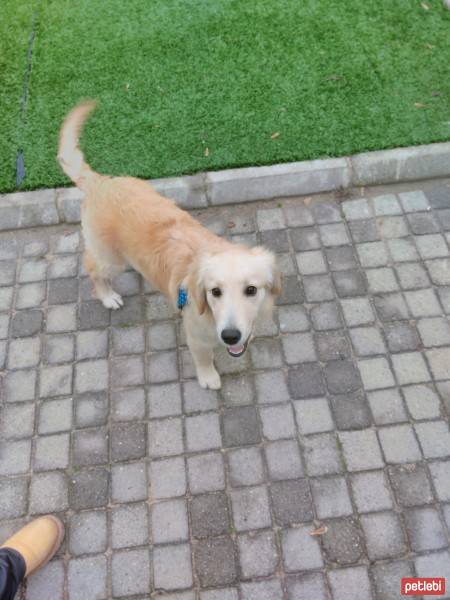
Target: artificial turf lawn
[[175, 78]]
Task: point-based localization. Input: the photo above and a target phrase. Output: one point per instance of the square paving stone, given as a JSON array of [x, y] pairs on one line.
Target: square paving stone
[[311, 263], [162, 367], [334, 235], [434, 437], [434, 331], [215, 561], [130, 572], [93, 315], [206, 473], [357, 311], [275, 240], [341, 377], [26, 323], [240, 427], [372, 254], [59, 348], [391, 307], [440, 473], [87, 577], [47, 582], [411, 485], [356, 209], [318, 288], [375, 373], [298, 348], [331, 497], [423, 303], [349, 283], [386, 577], [382, 280], [91, 410], [293, 318], [266, 353], [258, 554], [425, 529], [434, 565], [341, 258], [161, 336], [342, 543], [301, 551], [128, 441], [305, 238], [209, 515], [6, 296], [401, 336], [387, 204], [236, 390], [422, 223], [271, 387], [387, 406], [412, 276], [127, 371], [88, 533], [172, 567], [326, 316], [13, 497], [129, 340], [399, 444], [402, 250], [24, 352], [350, 583], [392, 227], [271, 218], [52, 452], [307, 587], [291, 501], [48, 493], [203, 432], [384, 535], [322, 454], [13, 414], [128, 405], [298, 215], [313, 416], [332, 345], [246, 466], [326, 211], [62, 291], [89, 488], [422, 402], [367, 341], [410, 368], [61, 318], [165, 437], [15, 457], [167, 478], [277, 422], [292, 291], [164, 400], [31, 270], [283, 460], [361, 450], [431, 246], [92, 344], [439, 361], [129, 526], [90, 447], [305, 381], [31, 295], [414, 201], [169, 521], [91, 376], [198, 399], [351, 411], [364, 230], [129, 482], [55, 416], [56, 381], [371, 491], [250, 508]]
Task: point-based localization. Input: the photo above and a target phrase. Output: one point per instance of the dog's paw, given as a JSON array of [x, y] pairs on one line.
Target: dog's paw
[[209, 379], [113, 300]]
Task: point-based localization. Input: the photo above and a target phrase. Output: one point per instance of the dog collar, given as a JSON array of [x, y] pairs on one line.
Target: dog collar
[[182, 298]]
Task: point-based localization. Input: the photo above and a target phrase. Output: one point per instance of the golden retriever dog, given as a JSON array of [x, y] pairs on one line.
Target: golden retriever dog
[[224, 286]]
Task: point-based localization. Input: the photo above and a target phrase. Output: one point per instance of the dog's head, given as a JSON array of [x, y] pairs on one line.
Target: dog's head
[[236, 286]]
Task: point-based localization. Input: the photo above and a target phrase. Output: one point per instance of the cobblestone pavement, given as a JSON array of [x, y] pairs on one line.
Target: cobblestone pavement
[[337, 416]]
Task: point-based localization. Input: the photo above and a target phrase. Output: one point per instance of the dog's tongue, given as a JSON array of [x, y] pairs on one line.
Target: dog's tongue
[[236, 349]]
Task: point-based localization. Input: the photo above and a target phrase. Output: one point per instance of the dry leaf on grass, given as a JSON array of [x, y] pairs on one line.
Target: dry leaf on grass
[[419, 105], [425, 6], [206, 151], [319, 530], [275, 135]]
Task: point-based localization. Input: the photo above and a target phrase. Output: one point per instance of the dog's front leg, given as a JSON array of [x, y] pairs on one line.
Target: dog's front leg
[[203, 356]]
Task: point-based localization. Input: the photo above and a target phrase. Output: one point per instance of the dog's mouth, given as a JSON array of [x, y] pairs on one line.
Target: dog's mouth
[[238, 350]]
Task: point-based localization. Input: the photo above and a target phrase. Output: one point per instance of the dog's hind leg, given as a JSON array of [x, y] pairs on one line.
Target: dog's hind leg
[[101, 273]]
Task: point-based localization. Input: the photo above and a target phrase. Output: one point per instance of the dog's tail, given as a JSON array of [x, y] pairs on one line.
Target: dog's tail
[[70, 157]]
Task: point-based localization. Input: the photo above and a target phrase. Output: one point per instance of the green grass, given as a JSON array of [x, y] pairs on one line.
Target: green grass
[[175, 77]]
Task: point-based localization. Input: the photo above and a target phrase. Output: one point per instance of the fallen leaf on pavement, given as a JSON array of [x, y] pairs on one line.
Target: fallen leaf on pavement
[[319, 530]]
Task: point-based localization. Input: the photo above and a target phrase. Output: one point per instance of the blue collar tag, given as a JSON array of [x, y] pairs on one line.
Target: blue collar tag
[[182, 298]]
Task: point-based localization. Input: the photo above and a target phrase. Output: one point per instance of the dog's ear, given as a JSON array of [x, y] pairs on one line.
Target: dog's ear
[[196, 288], [273, 278]]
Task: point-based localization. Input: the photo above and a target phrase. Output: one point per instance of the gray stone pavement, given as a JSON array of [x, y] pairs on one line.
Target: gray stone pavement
[[335, 422]]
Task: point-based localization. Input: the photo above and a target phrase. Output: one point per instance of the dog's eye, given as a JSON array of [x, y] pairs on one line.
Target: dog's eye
[[250, 290], [216, 292]]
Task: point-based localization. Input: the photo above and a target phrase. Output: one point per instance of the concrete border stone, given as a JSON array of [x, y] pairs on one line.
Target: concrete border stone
[[62, 205]]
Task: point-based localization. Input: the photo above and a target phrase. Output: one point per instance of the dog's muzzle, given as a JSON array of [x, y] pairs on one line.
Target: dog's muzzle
[[238, 350]]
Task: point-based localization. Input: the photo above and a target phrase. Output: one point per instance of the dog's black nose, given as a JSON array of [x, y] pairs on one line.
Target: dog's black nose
[[231, 336]]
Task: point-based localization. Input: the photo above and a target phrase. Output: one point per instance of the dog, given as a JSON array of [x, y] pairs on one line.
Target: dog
[[220, 287]]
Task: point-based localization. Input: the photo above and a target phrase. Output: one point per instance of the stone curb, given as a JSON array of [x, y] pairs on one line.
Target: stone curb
[[62, 205]]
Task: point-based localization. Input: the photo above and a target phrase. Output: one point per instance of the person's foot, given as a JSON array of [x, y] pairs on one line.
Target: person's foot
[[37, 542]]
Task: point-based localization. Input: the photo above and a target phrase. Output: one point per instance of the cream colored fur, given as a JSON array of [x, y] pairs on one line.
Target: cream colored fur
[[125, 221]]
